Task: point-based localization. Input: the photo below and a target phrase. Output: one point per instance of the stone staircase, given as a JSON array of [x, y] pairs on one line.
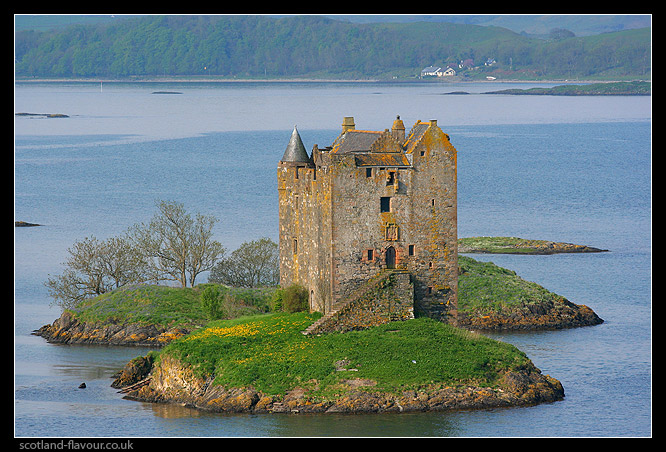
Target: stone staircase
[[372, 284]]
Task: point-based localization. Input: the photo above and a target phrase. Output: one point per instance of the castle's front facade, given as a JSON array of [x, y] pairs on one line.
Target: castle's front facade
[[372, 200]]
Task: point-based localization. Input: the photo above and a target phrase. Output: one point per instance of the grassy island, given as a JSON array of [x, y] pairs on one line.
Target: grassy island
[[633, 88], [255, 359], [265, 364], [516, 245]]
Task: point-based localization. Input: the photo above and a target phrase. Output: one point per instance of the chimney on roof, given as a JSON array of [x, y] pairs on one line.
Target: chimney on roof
[[348, 123], [398, 130]]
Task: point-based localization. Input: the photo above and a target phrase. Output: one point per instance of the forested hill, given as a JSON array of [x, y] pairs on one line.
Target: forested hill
[[311, 46]]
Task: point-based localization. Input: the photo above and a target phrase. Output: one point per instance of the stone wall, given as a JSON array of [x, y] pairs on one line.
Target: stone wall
[[305, 233], [346, 216], [433, 226], [386, 298]]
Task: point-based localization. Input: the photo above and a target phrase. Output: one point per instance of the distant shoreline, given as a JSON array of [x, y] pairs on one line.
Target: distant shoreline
[[635, 88], [291, 80]]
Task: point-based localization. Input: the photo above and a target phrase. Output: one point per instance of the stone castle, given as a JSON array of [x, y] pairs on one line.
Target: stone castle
[[369, 225]]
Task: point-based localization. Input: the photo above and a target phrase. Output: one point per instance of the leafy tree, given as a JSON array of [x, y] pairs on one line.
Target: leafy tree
[[560, 33], [253, 264]]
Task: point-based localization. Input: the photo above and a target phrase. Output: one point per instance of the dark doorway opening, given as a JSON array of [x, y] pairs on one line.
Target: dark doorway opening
[[390, 257]]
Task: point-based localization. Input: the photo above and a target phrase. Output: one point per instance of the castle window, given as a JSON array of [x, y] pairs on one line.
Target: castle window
[[390, 178], [371, 255], [295, 246], [385, 204], [429, 290], [411, 250], [368, 172], [433, 202], [296, 173]]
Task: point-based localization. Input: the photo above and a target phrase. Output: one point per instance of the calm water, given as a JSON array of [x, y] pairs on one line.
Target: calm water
[[567, 169]]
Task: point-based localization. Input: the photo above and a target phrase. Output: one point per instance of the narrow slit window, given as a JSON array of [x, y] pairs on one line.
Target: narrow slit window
[[368, 172], [295, 246], [371, 255], [411, 250]]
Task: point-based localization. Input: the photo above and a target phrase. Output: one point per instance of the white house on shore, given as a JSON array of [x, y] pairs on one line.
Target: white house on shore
[[434, 71]]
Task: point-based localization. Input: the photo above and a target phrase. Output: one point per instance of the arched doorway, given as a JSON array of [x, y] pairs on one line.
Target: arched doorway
[[390, 257]]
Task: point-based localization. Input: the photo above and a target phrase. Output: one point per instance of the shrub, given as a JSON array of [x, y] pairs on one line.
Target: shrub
[[275, 304], [211, 301], [295, 299]]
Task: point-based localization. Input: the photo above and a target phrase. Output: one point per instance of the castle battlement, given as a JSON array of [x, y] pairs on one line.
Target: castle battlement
[[369, 202]]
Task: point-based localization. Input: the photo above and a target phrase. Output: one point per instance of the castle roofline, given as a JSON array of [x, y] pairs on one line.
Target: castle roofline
[[418, 131], [295, 152], [353, 140]]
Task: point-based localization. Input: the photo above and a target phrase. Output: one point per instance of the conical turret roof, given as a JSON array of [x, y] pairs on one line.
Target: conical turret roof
[[295, 151]]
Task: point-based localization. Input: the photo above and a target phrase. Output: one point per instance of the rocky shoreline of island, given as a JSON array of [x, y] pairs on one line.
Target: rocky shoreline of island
[[172, 382], [517, 245], [68, 329], [551, 314]]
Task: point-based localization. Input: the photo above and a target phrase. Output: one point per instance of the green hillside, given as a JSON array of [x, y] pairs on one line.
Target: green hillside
[[317, 47]]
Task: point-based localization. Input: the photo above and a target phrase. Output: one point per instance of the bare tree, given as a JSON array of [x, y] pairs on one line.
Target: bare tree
[[95, 267], [177, 247], [172, 247], [204, 251]]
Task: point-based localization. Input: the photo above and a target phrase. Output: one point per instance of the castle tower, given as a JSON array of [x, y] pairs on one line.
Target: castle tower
[[371, 201]]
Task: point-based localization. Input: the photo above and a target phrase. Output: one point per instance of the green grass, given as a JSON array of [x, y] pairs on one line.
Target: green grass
[[167, 306], [485, 288], [269, 353]]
